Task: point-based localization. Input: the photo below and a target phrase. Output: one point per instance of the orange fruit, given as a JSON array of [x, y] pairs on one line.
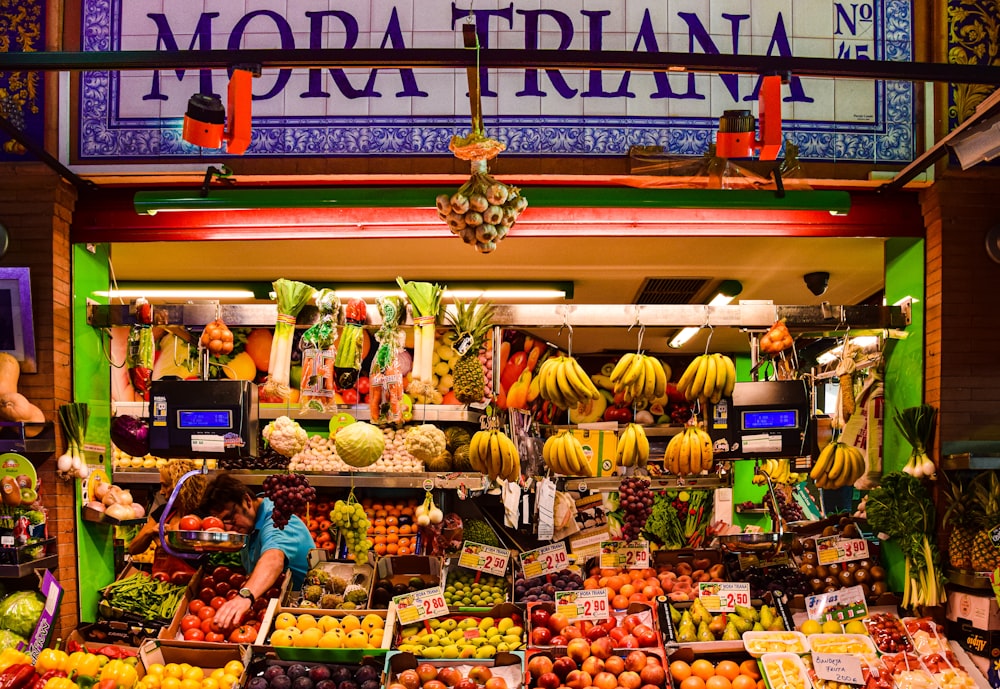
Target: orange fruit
[[405, 540], [718, 682], [744, 682], [391, 549], [693, 682], [703, 668], [607, 572], [391, 520], [750, 669], [680, 670], [637, 598], [727, 669], [615, 583], [379, 539], [619, 602], [626, 590], [405, 529], [635, 574], [590, 583], [379, 548], [392, 538], [381, 514], [391, 529], [404, 550]]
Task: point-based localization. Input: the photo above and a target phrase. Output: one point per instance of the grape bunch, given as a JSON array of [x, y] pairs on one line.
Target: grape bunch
[[290, 494], [637, 502], [788, 507], [350, 520]]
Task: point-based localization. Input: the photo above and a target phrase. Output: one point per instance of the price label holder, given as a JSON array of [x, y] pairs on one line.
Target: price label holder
[[545, 560], [626, 554], [484, 558], [842, 605], [838, 667], [833, 549], [589, 604], [420, 605], [724, 596]]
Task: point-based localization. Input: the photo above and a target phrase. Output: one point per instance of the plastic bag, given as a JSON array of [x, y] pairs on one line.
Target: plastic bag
[[319, 352], [385, 391], [347, 364]]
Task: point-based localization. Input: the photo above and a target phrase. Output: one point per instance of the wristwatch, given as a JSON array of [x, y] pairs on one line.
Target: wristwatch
[[248, 594]]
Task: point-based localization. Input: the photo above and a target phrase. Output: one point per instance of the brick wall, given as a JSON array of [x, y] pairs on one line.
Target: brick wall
[[962, 311], [36, 206]]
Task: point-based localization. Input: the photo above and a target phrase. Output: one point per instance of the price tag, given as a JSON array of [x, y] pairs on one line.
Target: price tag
[[838, 667], [841, 605], [589, 604], [627, 554], [835, 549], [420, 605], [724, 596], [545, 560], [484, 558]]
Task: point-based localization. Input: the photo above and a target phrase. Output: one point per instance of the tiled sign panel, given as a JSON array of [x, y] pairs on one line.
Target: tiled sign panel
[[22, 29], [329, 112]]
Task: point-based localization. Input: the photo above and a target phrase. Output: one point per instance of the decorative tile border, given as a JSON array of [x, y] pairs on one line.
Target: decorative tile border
[[22, 96]]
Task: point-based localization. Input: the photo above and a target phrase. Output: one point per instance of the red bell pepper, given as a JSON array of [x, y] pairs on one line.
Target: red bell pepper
[[18, 676]]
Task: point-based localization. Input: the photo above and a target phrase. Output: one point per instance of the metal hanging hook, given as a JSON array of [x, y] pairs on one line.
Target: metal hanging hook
[[711, 329], [566, 326]]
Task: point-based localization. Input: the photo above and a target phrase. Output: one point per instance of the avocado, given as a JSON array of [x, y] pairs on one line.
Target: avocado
[[417, 584]]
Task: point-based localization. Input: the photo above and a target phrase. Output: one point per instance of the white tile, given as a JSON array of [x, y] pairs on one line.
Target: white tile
[[767, 14], [136, 22], [618, 107], [436, 39], [340, 105], [723, 98], [612, 41], [855, 100], [738, 23], [690, 107], [277, 6], [381, 14], [611, 22], [854, 20], [511, 104], [424, 20], [821, 91], [131, 104], [812, 19], [298, 106], [229, 14], [440, 87], [813, 47], [567, 107], [678, 25]]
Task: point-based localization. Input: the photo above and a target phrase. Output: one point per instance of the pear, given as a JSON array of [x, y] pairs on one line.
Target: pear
[[717, 625], [730, 633], [766, 618], [704, 634], [742, 625], [778, 625], [758, 627], [686, 633], [747, 613], [686, 619], [675, 615], [699, 613]]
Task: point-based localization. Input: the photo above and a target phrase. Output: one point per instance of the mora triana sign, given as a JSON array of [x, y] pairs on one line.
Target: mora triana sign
[[132, 115]]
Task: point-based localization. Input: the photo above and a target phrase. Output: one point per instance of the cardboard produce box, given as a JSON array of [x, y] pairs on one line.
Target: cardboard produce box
[[399, 570], [206, 656], [601, 448], [354, 575], [974, 622]]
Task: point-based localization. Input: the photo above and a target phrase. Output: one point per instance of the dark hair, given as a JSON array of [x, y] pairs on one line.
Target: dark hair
[[223, 490]]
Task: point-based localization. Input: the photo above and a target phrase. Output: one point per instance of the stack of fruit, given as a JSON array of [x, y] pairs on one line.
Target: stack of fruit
[[709, 378], [325, 589], [599, 670], [307, 631], [214, 589], [838, 465], [392, 530], [482, 211], [625, 586], [697, 624], [384, 589], [544, 588], [279, 675], [186, 676], [466, 588], [320, 455], [784, 671], [867, 573], [689, 452], [635, 628], [726, 674], [428, 676], [463, 637]]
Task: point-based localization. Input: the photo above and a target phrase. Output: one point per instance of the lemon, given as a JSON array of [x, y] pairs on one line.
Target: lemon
[[832, 627], [308, 639], [170, 683], [350, 623], [284, 621], [855, 627], [279, 638], [156, 669], [372, 621], [306, 622], [195, 673], [328, 622], [190, 684], [209, 683], [356, 639], [331, 640], [173, 670], [228, 681], [811, 627]]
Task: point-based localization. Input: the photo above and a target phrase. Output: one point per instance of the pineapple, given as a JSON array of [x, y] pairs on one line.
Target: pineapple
[[986, 497], [471, 322], [960, 521]]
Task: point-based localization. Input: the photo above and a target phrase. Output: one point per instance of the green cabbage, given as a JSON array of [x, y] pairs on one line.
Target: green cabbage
[[360, 444], [10, 640], [19, 612]]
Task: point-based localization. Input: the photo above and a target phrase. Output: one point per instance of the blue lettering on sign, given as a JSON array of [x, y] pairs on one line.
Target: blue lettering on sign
[[850, 16]]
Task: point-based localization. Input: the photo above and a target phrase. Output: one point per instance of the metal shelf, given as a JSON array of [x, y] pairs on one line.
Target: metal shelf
[[966, 461], [421, 480], [611, 483], [23, 570], [447, 413], [14, 438]]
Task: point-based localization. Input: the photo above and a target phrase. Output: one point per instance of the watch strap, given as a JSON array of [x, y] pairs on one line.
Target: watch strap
[[248, 594]]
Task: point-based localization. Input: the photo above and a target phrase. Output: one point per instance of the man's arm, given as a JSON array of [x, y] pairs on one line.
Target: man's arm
[[265, 574]]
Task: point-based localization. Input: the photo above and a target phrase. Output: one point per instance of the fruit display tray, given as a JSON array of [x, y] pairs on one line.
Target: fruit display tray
[[325, 655], [362, 575], [508, 665], [451, 564], [206, 541]]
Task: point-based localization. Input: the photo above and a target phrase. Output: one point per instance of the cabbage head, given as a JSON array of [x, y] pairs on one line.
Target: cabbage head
[[19, 612], [360, 444], [11, 640]]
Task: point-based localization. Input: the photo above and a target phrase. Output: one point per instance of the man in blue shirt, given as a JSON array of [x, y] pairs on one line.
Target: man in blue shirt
[[269, 550]]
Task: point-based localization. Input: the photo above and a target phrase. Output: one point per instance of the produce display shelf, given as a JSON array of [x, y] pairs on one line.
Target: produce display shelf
[[451, 413], [26, 568], [968, 579], [472, 480], [611, 483], [968, 461]]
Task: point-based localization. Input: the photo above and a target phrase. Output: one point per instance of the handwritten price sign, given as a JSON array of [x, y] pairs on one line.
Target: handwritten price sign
[[484, 558], [835, 549], [838, 667], [630, 555], [420, 605], [590, 604], [724, 596], [546, 560]]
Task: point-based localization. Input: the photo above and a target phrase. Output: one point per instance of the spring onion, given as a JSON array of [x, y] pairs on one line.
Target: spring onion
[[425, 299], [917, 426], [73, 419], [291, 297]]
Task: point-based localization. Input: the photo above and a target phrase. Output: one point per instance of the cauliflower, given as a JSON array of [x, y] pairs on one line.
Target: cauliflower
[[285, 436], [425, 442]]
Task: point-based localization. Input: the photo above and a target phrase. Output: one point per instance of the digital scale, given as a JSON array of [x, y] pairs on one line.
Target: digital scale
[[762, 419], [203, 418]]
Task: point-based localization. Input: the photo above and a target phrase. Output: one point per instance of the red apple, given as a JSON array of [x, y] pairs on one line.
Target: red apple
[[602, 648], [596, 632], [617, 634], [578, 649], [558, 641], [558, 622], [635, 661], [592, 666], [450, 676], [539, 617], [541, 636], [466, 683], [434, 684], [427, 672], [605, 680], [628, 642], [539, 665], [549, 680], [563, 666], [571, 631], [495, 683], [479, 674], [578, 679], [410, 679], [653, 674], [630, 622], [653, 659], [629, 680], [645, 635], [394, 685]]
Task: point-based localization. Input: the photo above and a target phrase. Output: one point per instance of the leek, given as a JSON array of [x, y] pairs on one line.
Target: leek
[[425, 300], [291, 297], [916, 424], [73, 418]]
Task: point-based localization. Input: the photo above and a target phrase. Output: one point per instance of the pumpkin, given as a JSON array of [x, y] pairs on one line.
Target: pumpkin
[[15, 407]]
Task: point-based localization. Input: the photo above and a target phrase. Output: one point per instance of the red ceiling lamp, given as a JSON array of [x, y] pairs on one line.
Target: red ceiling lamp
[[737, 138], [205, 120]]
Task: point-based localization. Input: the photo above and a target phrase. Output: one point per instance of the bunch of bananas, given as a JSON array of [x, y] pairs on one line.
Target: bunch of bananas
[[633, 446], [709, 377], [780, 471], [562, 381], [641, 378], [689, 452], [494, 454], [838, 465], [563, 454]]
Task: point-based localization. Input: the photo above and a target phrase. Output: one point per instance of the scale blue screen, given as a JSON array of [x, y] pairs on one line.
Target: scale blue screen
[[771, 419], [211, 418]]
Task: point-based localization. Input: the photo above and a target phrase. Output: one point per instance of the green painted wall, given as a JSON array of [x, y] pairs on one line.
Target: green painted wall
[[743, 487], [92, 384]]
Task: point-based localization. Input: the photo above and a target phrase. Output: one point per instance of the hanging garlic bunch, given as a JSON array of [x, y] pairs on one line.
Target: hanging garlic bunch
[[483, 209], [428, 513]]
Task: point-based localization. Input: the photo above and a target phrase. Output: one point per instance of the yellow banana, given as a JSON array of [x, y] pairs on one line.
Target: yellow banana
[[694, 392], [534, 389], [730, 376], [634, 371], [707, 451], [624, 449], [548, 451], [622, 366], [694, 450], [493, 470], [671, 456], [578, 378], [476, 452], [660, 384], [823, 461], [642, 445], [649, 378], [709, 387], [581, 464], [506, 456], [839, 462], [684, 384], [565, 391], [684, 454]]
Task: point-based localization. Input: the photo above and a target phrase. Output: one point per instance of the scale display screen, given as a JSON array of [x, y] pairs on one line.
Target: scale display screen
[[204, 418], [771, 419]]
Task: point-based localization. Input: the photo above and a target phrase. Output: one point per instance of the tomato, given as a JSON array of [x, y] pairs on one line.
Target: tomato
[[206, 612], [364, 385], [217, 602], [190, 522], [243, 635], [194, 634], [220, 573], [206, 595], [350, 396], [190, 622], [215, 637], [232, 593], [196, 605], [209, 625], [236, 580], [211, 522]]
